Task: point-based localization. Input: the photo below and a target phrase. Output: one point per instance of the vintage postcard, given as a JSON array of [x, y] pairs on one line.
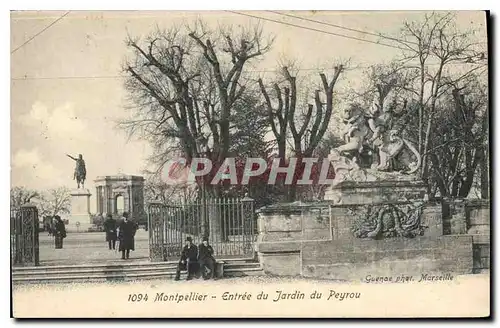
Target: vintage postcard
[[250, 164]]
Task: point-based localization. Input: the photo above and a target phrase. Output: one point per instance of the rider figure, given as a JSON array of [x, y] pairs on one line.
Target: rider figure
[[80, 170]]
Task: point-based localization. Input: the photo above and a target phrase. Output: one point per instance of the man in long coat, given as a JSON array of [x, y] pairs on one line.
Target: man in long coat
[[110, 228], [188, 261], [126, 235], [60, 232]]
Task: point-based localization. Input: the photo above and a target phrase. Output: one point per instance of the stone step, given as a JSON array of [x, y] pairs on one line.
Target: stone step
[[94, 271], [119, 265], [90, 267], [88, 270], [249, 265], [79, 277], [256, 271], [126, 272]]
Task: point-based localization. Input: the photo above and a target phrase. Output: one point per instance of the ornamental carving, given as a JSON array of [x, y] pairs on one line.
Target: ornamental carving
[[387, 221]]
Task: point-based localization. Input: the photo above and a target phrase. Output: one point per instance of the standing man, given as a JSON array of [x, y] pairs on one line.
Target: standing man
[[110, 228], [188, 260], [206, 259], [59, 232], [126, 236]]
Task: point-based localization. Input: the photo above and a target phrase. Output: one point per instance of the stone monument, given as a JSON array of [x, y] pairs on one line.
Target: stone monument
[[80, 218], [376, 219], [129, 187], [376, 163]]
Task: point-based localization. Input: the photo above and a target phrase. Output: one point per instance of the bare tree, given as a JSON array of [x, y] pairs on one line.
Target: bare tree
[[437, 45], [462, 142], [157, 190], [285, 117], [185, 82], [55, 201], [21, 195], [241, 48]]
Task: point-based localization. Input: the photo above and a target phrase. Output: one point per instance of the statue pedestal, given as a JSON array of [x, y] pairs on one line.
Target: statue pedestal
[[372, 192], [80, 218], [382, 228]]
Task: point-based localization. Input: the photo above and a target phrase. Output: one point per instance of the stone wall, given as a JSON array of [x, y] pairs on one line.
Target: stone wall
[[477, 214], [389, 257], [317, 240], [472, 217]]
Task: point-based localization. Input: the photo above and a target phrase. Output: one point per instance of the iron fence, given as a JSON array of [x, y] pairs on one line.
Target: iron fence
[[229, 223]]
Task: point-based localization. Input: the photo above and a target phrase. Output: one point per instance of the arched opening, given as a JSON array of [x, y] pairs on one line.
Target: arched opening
[[120, 204]]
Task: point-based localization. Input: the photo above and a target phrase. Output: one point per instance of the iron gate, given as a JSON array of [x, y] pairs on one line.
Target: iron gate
[[24, 245], [228, 222]]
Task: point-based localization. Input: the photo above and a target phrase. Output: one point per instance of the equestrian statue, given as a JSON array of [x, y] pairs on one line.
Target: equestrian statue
[[80, 170]]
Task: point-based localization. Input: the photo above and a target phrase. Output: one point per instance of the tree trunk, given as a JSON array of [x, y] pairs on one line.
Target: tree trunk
[[292, 192], [216, 220], [421, 110], [439, 181], [471, 166]]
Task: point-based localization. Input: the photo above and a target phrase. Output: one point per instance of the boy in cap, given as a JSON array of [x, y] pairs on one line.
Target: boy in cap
[[206, 259], [188, 261]]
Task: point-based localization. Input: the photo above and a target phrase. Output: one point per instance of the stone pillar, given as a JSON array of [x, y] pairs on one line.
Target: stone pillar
[[105, 199], [458, 221], [98, 200], [101, 200], [128, 200], [80, 218], [112, 202], [432, 217], [478, 215]]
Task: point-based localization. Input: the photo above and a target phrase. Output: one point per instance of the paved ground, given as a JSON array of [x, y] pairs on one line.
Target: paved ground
[[89, 247]]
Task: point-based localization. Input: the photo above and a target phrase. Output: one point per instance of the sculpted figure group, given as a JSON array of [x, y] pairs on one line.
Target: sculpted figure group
[[374, 143]]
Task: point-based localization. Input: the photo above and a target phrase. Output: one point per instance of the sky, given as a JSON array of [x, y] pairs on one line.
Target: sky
[[66, 95]]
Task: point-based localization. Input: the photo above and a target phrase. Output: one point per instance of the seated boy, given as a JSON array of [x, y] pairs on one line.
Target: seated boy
[[206, 259]]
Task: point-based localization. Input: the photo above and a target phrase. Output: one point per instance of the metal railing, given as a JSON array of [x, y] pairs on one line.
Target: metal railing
[[229, 223]]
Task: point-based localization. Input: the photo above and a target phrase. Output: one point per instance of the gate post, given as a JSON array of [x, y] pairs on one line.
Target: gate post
[[248, 225], [156, 229], [28, 252]]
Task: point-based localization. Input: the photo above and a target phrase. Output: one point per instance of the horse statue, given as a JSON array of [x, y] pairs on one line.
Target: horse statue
[[80, 171]]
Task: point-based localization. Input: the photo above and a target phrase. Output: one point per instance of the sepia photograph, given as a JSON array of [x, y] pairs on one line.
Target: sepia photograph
[[250, 164]]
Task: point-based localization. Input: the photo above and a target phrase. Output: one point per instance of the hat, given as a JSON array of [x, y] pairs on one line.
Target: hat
[[205, 239], [189, 239]]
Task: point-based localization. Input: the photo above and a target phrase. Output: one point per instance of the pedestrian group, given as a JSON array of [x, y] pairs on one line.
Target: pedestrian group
[[123, 231], [196, 260]]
